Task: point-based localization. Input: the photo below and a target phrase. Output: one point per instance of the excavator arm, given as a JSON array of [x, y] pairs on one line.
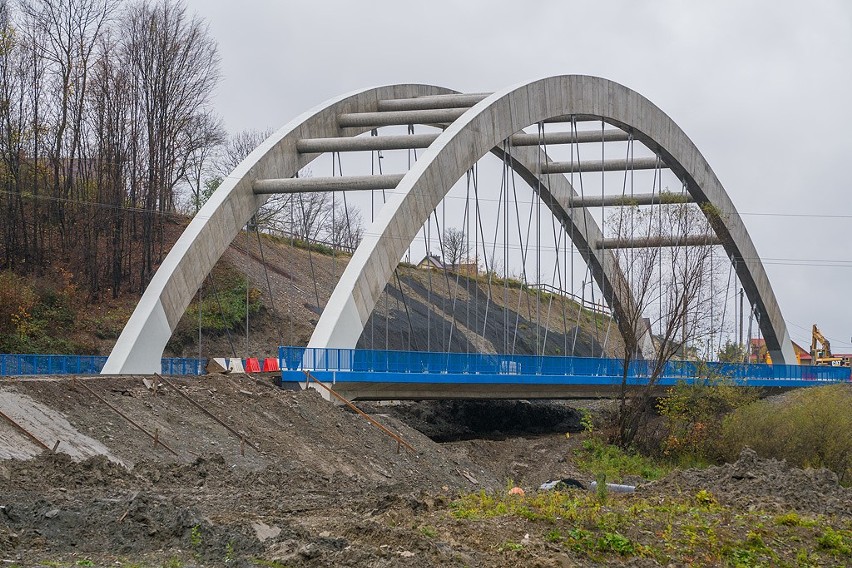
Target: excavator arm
[[820, 348]]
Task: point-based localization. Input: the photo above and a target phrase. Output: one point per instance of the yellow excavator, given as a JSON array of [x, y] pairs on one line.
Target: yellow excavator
[[821, 350]]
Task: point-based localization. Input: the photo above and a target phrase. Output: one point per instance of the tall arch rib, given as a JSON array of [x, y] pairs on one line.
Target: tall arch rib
[[141, 343], [144, 337], [481, 129], [484, 126]]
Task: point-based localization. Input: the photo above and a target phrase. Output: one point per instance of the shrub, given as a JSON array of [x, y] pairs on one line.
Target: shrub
[[809, 428], [613, 463], [693, 414], [222, 309], [37, 314], [17, 300]]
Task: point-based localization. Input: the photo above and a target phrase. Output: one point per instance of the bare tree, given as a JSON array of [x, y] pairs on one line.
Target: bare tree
[[206, 135], [311, 215], [345, 228], [175, 64], [672, 293], [454, 246], [236, 148], [69, 31], [110, 105], [15, 119], [104, 110], [273, 215]]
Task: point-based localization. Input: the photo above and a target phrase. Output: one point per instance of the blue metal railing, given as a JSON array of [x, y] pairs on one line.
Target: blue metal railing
[[183, 366], [13, 364], [400, 362]]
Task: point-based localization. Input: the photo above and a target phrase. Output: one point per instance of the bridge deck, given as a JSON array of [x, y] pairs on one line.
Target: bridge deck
[[374, 374]]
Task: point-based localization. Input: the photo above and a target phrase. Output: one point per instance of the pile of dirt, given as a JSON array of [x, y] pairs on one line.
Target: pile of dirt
[[766, 484], [50, 470], [323, 488]]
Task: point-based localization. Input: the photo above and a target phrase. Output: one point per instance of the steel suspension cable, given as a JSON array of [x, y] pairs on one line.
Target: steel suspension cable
[[585, 212], [333, 227], [493, 268], [222, 314], [542, 155], [558, 269], [292, 280], [524, 255], [447, 281], [308, 246], [268, 284], [506, 251], [456, 289], [374, 132], [725, 305]]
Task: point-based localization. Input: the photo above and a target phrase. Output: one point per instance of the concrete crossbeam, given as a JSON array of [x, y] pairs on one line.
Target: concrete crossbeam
[[568, 118], [398, 118], [635, 199], [618, 165], [656, 242], [417, 141], [579, 137], [462, 100], [326, 184], [364, 143]]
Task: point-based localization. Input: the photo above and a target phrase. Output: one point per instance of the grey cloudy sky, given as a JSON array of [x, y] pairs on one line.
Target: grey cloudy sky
[[763, 88]]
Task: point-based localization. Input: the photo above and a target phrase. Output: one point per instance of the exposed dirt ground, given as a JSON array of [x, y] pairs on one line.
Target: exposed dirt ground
[[323, 488]]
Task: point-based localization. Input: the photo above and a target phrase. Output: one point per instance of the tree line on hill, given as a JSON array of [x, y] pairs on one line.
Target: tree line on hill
[[107, 131], [103, 105]]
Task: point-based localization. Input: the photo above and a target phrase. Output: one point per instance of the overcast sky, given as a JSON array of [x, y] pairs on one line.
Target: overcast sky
[[763, 88]]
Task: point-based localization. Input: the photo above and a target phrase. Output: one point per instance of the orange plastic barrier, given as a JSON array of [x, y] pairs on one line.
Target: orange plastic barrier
[[270, 364], [252, 365]]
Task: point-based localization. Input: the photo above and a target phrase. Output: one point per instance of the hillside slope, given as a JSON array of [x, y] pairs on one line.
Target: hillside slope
[[437, 311], [48, 313]]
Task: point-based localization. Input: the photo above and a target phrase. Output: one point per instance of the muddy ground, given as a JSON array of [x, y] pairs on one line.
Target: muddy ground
[[267, 477]]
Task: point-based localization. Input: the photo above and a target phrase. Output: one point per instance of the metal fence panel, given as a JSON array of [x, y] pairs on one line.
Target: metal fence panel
[[431, 363], [20, 364]]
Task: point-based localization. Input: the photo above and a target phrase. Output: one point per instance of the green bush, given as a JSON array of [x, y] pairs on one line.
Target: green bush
[[809, 428], [601, 459], [223, 307], [693, 414], [37, 314]]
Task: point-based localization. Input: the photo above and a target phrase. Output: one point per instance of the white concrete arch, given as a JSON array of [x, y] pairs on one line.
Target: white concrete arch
[[470, 135], [145, 335], [140, 345], [483, 127]]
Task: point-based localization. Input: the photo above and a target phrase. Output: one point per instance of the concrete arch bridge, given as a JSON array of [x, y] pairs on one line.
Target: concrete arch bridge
[[537, 130]]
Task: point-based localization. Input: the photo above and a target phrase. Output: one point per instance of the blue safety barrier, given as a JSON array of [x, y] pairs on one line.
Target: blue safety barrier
[[11, 365], [183, 366], [377, 366]]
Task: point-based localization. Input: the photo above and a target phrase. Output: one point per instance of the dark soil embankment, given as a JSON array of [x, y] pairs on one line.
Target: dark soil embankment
[[453, 420]]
